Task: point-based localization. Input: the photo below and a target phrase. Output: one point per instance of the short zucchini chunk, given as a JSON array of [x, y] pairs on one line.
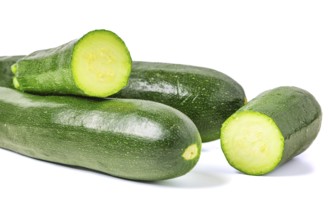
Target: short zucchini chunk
[[132, 139], [97, 65], [271, 129]]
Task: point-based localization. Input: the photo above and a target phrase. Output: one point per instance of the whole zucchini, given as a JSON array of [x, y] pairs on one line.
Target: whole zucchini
[[207, 96], [133, 139], [274, 127]]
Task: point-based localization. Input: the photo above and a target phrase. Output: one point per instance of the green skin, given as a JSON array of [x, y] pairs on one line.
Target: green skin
[[6, 76], [48, 71], [133, 139], [296, 113], [206, 96]]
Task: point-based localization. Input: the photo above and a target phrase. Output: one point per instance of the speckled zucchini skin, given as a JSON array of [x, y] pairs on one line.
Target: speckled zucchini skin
[[133, 139], [295, 111], [6, 76], [207, 96], [48, 71]]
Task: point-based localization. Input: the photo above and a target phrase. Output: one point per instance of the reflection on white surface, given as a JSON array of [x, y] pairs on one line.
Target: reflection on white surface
[[294, 167]]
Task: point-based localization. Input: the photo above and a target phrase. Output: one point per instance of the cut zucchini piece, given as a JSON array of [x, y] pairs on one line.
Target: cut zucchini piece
[[271, 129], [97, 65]]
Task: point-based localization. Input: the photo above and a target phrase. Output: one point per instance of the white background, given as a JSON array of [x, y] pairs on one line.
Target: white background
[[261, 44]]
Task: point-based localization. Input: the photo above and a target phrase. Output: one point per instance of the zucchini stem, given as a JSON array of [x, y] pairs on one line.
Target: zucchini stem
[[14, 68], [16, 83]]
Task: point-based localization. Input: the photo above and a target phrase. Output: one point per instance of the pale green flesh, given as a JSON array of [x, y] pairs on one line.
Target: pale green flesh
[[252, 142], [101, 64], [191, 152]]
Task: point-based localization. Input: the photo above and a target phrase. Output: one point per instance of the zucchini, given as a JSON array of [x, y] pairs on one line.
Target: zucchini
[[207, 96], [133, 139], [271, 129], [6, 77], [97, 65]]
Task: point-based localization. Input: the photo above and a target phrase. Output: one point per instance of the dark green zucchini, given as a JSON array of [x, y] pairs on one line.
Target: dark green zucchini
[[98, 65], [271, 129], [133, 139], [6, 76], [207, 96]]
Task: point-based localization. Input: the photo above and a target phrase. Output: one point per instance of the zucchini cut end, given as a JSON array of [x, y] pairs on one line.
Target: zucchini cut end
[[191, 152], [252, 143], [101, 63]]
